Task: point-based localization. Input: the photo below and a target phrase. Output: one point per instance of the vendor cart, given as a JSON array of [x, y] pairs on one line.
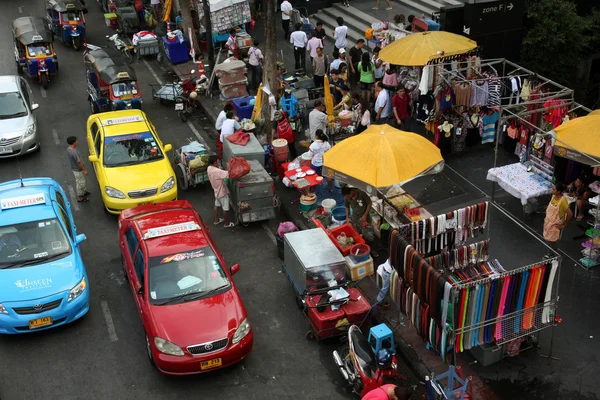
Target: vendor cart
[[167, 92], [190, 165], [253, 195], [317, 272]]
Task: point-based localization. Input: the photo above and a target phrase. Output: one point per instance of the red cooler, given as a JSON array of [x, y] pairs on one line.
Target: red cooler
[[325, 323], [356, 310]]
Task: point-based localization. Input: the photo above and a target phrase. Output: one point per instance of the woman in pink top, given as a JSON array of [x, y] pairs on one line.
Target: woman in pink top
[[388, 392]]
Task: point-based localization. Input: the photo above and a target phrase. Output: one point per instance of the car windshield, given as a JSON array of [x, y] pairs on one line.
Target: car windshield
[[124, 89], [71, 16], [38, 49], [32, 242], [12, 105], [192, 274], [130, 149]]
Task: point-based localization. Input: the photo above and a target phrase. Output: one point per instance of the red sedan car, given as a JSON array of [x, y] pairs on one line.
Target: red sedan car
[[192, 313]]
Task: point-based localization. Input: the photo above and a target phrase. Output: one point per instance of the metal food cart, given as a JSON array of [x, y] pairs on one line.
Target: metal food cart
[[253, 195]]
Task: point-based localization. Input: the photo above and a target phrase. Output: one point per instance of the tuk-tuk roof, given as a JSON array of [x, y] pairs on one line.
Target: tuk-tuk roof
[[106, 68], [64, 5], [30, 30]]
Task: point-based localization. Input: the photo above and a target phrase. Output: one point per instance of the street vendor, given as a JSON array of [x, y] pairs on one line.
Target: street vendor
[[346, 102], [583, 194], [230, 125], [282, 127], [334, 83], [231, 44], [317, 119], [358, 205]]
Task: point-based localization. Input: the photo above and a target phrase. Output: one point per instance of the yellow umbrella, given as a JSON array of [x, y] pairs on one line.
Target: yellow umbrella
[[257, 105], [419, 48], [167, 10], [328, 99], [382, 156], [579, 137]]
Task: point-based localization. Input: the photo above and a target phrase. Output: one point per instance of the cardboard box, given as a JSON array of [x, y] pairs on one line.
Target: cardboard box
[[360, 270]]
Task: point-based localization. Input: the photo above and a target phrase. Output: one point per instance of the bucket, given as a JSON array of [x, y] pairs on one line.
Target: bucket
[[329, 204], [339, 214], [360, 252], [305, 159], [307, 202], [280, 149]]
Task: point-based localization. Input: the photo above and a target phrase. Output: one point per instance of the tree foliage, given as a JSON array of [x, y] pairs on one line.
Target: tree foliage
[[557, 39]]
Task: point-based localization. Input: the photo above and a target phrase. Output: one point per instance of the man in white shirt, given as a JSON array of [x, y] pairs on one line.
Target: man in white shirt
[[255, 61], [230, 125], [317, 119], [299, 40], [384, 271], [340, 33], [231, 44], [222, 117], [382, 108], [286, 16], [313, 44], [335, 64]]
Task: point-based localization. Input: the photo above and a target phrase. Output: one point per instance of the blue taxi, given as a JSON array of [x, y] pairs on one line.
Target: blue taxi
[[43, 283]]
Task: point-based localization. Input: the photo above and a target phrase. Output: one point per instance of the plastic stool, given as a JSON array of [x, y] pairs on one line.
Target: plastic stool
[[381, 337]]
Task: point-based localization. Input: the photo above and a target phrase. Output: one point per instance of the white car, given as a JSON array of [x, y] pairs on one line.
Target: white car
[[18, 130]]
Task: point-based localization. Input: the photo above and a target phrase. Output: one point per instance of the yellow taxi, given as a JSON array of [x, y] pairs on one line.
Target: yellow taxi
[[130, 160]]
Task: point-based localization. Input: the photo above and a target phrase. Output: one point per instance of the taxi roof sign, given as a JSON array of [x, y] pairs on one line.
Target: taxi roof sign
[[123, 120], [37, 38], [22, 201], [122, 75], [171, 229]]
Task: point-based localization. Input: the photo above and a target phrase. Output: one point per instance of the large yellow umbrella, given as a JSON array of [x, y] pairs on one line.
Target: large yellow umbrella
[[579, 139], [328, 99], [420, 48], [382, 156]]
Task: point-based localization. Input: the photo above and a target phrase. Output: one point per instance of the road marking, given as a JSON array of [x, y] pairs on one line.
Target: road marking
[[20, 10], [43, 91], [189, 124], [112, 333], [73, 198], [56, 139], [270, 234]]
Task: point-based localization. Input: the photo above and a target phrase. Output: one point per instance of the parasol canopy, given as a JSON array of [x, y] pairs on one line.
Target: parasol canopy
[[382, 156], [420, 48], [328, 99], [579, 139]]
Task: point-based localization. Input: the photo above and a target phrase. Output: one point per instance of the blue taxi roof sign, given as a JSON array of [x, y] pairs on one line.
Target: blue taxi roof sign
[[171, 229], [22, 201]]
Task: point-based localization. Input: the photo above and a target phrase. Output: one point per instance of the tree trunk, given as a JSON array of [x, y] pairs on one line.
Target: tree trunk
[[187, 24], [210, 44], [269, 78]]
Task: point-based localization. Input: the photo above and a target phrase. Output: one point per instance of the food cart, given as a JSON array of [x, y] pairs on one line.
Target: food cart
[[190, 164], [253, 196], [317, 271]]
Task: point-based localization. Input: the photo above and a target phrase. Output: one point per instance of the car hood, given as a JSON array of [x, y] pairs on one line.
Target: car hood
[[199, 321], [41, 280], [137, 177], [12, 126]]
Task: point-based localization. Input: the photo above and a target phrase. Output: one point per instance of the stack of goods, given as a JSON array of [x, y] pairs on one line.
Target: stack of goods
[[224, 18], [194, 155], [460, 257], [232, 79]]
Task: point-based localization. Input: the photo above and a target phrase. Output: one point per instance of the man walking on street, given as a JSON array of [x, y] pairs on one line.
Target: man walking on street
[[317, 119], [320, 65], [255, 60], [400, 108], [355, 54], [340, 34], [320, 33], [79, 170], [299, 40], [313, 44], [217, 177], [286, 16], [381, 104]]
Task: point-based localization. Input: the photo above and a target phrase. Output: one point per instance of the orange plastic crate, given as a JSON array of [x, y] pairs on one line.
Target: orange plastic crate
[[348, 229]]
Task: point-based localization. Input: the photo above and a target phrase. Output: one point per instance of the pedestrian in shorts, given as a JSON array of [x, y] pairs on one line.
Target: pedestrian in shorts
[[79, 170], [217, 177]]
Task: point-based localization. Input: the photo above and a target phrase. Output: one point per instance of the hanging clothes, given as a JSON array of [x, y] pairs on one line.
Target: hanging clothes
[[480, 93], [474, 125], [462, 93], [494, 87], [516, 86], [489, 127]]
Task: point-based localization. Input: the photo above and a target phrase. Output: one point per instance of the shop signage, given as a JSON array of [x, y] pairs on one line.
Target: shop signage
[[123, 120], [493, 17], [23, 201], [171, 229], [574, 155]]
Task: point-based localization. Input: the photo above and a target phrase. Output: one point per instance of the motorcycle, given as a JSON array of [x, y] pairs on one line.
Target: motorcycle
[[127, 50], [361, 368], [186, 102]]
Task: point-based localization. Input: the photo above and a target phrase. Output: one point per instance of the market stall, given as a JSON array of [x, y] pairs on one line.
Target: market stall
[[224, 15]]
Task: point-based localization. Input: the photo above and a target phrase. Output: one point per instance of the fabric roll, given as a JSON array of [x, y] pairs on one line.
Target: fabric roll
[[445, 302], [501, 307], [489, 311], [546, 318], [519, 307], [546, 278], [538, 312]]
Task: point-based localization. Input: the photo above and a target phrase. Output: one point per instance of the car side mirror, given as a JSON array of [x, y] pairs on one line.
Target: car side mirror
[[140, 291], [235, 268], [34, 107], [79, 239], [168, 147], [93, 159]]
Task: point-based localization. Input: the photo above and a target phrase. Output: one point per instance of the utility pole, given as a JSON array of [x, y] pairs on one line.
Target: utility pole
[[185, 6], [209, 40], [270, 60]]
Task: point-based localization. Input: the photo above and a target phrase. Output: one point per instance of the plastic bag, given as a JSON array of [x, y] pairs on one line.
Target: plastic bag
[[286, 227], [237, 167]]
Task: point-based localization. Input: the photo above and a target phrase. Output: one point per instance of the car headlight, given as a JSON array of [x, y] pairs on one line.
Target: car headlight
[[241, 331], [164, 346], [77, 290], [30, 130], [168, 185], [3, 309], [112, 192]]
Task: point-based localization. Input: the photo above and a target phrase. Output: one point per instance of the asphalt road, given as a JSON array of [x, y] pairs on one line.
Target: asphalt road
[[84, 360]]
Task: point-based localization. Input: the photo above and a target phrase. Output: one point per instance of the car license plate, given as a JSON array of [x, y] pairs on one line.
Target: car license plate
[[6, 150], [179, 106], [39, 322], [127, 97], [214, 363]]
